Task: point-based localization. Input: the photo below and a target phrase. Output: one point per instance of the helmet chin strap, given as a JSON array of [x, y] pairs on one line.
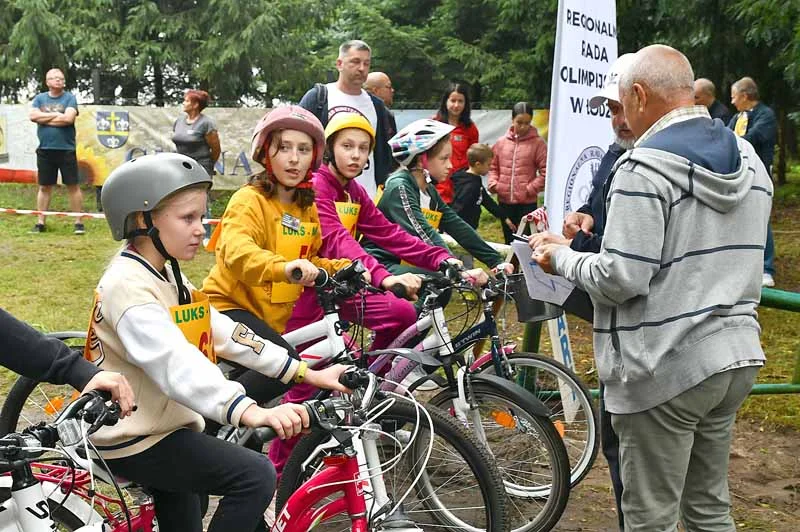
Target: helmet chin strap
[[184, 297], [333, 165]]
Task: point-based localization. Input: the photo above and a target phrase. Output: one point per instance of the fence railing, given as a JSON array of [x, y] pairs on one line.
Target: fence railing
[[770, 298]]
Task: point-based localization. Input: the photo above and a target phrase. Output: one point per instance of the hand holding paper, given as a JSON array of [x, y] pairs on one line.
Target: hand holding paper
[[541, 285]]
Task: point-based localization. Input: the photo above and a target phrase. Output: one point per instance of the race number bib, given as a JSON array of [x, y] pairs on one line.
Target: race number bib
[[293, 244], [434, 218], [194, 321], [348, 215]]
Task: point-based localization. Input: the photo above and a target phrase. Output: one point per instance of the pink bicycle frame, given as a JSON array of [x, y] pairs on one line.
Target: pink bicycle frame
[[340, 474]]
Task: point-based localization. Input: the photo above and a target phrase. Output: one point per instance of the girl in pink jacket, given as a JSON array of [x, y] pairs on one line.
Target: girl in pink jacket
[[519, 166], [345, 211]]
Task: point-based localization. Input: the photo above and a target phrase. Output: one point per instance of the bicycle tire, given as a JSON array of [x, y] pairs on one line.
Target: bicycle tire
[[21, 391], [529, 449], [472, 454], [581, 435], [15, 403]]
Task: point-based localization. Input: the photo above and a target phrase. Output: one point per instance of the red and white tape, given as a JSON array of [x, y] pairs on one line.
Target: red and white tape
[[96, 215]]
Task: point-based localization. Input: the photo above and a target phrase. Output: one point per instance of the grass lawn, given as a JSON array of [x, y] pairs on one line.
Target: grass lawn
[[47, 280]]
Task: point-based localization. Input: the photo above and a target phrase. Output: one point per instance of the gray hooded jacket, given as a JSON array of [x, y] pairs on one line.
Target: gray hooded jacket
[[678, 277]]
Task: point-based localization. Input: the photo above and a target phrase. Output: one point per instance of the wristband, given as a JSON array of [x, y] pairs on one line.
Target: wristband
[[300, 375]]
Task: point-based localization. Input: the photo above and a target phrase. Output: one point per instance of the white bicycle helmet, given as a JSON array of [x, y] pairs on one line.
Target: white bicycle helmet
[[416, 138]]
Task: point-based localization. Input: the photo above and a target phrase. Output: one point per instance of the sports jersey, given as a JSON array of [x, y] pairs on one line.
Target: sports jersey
[[255, 243], [134, 331]]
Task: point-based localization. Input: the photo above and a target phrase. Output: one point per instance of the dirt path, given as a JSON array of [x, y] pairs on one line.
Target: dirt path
[[764, 483]]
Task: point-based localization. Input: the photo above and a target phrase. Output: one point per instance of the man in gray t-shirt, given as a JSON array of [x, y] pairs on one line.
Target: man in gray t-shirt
[[54, 113]]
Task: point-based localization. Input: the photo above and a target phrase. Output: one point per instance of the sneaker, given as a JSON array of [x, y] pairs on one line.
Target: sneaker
[[79, 229], [415, 375], [38, 228], [767, 280]]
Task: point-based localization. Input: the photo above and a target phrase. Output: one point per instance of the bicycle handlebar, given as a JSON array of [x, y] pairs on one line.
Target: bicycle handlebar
[[322, 413], [90, 407], [321, 280]]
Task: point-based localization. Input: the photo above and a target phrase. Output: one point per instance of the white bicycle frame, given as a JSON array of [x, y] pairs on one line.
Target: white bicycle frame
[[331, 345], [439, 342], [27, 509]]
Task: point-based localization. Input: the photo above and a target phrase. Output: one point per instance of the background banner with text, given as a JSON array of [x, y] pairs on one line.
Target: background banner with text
[[586, 45], [108, 135]]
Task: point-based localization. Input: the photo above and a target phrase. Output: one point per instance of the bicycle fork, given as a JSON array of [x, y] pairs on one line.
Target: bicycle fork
[[366, 444], [466, 410]]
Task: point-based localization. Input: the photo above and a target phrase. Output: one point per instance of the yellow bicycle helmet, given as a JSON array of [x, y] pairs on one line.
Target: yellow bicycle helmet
[[342, 121]]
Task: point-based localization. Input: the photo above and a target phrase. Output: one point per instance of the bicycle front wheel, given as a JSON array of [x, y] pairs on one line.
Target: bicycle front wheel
[[460, 488], [527, 448], [574, 415]]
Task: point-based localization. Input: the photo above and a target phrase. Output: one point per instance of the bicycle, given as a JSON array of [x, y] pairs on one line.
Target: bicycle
[[385, 428], [341, 417], [522, 415], [576, 418], [23, 389], [46, 496]]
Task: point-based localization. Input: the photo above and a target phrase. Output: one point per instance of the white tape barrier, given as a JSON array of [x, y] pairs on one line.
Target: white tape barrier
[[500, 248]]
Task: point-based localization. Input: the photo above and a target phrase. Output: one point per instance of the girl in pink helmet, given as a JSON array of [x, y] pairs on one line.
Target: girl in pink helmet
[[271, 228]]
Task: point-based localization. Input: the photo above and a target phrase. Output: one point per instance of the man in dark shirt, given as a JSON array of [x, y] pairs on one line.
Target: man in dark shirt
[[706, 94], [756, 123], [583, 231]]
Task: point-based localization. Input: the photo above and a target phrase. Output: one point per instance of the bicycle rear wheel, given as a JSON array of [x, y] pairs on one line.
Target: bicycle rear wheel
[[576, 420], [460, 488], [528, 451]]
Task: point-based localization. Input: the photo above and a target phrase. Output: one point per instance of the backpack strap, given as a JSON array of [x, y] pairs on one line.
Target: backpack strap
[[322, 101]]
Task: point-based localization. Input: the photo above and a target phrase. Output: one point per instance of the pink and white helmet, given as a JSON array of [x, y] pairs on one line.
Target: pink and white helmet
[[417, 137], [288, 117]]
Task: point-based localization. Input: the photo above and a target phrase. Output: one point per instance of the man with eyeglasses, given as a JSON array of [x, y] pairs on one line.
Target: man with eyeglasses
[[380, 85], [54, 112]]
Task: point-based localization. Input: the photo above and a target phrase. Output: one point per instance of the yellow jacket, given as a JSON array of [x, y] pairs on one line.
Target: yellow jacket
[[250, 271]]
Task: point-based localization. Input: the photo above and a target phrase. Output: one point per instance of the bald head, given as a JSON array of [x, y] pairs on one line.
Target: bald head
[[704, 92], [380, 85], [659, 80], [54, 79]]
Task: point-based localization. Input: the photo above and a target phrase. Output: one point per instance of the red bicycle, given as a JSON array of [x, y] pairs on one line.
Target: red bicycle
[[378, 464], [376, 472]]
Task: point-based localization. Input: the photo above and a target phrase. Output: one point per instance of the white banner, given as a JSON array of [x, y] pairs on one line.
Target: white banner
[[586, 45]]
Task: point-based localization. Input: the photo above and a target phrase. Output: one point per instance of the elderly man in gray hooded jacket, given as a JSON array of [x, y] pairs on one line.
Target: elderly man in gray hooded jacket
[[675, 288]]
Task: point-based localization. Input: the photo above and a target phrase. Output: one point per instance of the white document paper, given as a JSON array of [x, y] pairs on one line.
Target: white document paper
[[541, 285]]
